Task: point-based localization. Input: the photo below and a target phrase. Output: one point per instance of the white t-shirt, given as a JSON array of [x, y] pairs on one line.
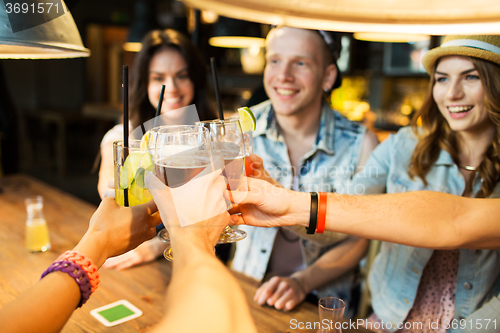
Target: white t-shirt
[[286, 245], [114, 134]]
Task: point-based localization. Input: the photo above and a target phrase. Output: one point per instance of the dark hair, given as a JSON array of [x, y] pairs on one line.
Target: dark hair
[[141, 109], [438, 135]]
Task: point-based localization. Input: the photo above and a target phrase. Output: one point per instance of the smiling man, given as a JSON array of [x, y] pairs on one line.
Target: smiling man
[[305, 146]]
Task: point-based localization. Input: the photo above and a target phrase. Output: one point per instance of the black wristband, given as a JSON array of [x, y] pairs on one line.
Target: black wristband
[[313, 219]]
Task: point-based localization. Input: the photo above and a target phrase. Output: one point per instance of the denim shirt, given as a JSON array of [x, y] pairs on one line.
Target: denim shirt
[[396, 272], [326, 167]]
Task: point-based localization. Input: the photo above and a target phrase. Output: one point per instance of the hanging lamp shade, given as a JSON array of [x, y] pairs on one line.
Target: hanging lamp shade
[[229, 32], [430, 17], [144, 22], [45, 38]]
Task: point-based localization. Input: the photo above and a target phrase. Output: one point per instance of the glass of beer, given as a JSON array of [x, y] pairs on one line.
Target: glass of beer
[[228, 143], [181, 156]]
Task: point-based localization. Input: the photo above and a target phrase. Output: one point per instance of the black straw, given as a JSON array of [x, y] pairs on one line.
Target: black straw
[[160, 102], [125, 125], [216, 86]]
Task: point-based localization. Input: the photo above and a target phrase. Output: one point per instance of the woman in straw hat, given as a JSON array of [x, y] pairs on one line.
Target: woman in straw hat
[[455, 150]]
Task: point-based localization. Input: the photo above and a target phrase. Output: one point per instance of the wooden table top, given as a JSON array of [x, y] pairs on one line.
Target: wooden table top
[[144, 286]]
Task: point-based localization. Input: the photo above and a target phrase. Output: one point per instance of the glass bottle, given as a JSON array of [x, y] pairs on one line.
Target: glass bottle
[[37, 233]]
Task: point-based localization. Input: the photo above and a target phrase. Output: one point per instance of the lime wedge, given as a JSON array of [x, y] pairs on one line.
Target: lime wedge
[[247, 119], [126, 174], [135, 166]]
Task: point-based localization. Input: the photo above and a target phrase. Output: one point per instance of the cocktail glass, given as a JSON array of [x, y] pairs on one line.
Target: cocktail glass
[[248, 140], [229, 144], [131, 164]]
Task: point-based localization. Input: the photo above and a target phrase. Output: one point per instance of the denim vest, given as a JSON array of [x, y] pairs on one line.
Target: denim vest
[[327, 166], [396, 271]]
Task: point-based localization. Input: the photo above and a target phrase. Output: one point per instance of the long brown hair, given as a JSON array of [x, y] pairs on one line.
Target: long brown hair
[[436, 134], [141, 109]]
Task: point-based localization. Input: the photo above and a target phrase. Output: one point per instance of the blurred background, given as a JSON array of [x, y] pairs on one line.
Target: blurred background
[[55, 112]]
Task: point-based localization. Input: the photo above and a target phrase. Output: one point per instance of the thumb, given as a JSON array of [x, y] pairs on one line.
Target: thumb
[[252, 193], [252, 164], [255, 159]]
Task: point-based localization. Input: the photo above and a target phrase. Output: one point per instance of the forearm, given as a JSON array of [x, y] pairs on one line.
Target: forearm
[[50, 302], [201, 282], [423, 219], [333, 264], [44, 308], [327, 238]]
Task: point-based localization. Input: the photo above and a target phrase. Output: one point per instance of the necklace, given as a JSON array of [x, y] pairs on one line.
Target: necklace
[[467, 167]]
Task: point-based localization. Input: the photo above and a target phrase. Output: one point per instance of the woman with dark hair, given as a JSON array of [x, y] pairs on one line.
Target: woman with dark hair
[[160, 48], [166, 58]]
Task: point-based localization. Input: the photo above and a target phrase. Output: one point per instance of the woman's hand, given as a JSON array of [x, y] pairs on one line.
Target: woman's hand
[[146, 252], [114, 230], [110, 190]]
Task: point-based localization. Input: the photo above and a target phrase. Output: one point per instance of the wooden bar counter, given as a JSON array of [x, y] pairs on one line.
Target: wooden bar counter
[[144, 286]]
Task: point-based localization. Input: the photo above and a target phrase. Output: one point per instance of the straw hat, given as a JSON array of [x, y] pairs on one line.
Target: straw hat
[[485, 47]]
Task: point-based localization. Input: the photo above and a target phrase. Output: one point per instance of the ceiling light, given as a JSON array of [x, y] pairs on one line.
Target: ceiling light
[[390, 38], [229, 32], [430, 17]]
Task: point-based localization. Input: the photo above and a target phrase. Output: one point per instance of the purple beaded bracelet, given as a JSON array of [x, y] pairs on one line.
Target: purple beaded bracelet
[[77, 273]]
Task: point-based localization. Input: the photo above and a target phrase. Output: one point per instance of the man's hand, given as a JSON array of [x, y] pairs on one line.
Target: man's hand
[[284, 293], [262, 204]]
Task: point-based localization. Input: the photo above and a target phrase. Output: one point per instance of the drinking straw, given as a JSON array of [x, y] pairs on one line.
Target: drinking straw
[[160, 102], [125, 125], [216, 86]]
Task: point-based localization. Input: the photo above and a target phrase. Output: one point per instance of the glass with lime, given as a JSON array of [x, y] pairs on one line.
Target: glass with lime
[[131, 164]]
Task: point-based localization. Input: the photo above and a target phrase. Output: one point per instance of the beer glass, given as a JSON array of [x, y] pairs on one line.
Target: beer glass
[[180, 156]]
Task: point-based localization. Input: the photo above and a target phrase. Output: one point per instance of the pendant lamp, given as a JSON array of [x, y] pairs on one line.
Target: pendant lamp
[[229, 32], [429, 17], [39, 36]]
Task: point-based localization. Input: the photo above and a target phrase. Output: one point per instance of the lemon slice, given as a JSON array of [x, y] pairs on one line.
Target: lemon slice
[[145, 140], [247, 119]]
